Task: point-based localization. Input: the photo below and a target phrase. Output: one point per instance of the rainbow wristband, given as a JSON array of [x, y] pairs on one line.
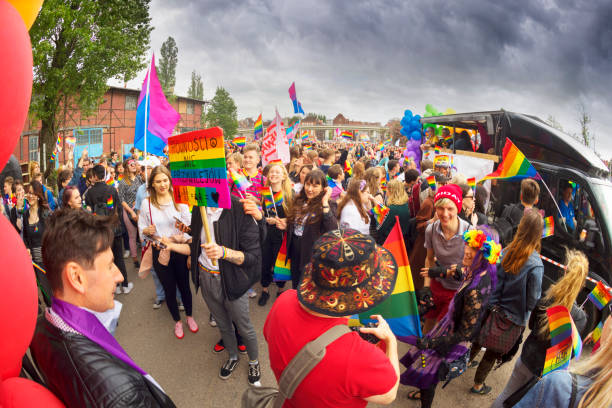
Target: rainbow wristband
[[224, 253]]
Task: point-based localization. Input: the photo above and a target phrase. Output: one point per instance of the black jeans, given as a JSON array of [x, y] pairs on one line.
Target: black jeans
[[486, 363], [174, 275], [295, 256], [427, 396], [118, 255]]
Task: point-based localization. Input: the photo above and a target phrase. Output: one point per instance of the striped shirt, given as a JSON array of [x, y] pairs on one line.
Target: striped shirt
[[256, 185]]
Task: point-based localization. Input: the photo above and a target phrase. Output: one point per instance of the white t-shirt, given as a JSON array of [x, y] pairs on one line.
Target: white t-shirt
[[213, 216], [350, 218], [163, 218]]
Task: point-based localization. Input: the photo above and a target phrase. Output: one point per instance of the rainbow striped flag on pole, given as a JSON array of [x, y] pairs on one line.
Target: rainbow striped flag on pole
[[514, 165], [549, 227], [347, 135], [400, 309], [600, 296], [258, 129], [282, 266], [240, 141]]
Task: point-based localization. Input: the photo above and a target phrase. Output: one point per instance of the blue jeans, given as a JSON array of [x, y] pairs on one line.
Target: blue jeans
[[159, 289]]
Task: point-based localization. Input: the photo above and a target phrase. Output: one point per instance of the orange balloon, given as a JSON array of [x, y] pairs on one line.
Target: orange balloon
[[28, 9]]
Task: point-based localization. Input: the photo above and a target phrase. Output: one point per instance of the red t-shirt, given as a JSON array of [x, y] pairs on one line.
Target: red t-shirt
[[351, 370]]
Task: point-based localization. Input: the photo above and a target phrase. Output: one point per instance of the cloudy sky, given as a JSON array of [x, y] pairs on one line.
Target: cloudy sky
[[371, 60]]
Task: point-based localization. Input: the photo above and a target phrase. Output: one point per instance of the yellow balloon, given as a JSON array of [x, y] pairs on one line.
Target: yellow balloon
[[28, 9]]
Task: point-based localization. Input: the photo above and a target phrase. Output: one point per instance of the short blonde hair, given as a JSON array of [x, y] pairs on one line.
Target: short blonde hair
[[444, 201], [251, 147], [396, 193], [237, 157]]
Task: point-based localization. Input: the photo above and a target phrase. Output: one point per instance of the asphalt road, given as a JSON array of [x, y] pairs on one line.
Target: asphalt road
[[188, 369]]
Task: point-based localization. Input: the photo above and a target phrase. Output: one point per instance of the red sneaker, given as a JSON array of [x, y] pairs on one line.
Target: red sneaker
[[178, 330], [242, 348], [219, 347], [193, 326]]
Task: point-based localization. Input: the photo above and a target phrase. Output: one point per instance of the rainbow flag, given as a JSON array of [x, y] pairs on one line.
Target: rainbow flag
[[240, 141], [383, 183], [400, 309], [447, 138], [271, 199], [560, 327], [109, 203], [431, 180], [240, 180], [307, 147], [112, 182], [600, 295], [549, 227], [597, 336], [380, 212], [347, 168], [258, 128], [282, 266], [472, 182], [514, 165], [437, 150], [381, 146], [120, 177], [576, 342], [304, 134], [347, 135], [330, 182]]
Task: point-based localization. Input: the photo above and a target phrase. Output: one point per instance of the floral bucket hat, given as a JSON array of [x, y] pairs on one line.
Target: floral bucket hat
[[349, 274]]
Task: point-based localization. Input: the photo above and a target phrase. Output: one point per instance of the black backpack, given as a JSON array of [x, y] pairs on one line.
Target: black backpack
[[108, 209], [507, 225]]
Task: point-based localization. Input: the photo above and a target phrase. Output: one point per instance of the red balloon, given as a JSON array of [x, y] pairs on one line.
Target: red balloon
[[15, 78], [22, 393], [18, 300]]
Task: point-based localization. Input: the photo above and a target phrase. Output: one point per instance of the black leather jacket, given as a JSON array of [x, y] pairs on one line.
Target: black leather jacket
[[83, 374]]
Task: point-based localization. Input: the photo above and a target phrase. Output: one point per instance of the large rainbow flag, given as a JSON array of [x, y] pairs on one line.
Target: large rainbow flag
[[400, 309], [514, 165]]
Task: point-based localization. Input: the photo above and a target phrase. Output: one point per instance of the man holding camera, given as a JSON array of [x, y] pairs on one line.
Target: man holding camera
[[349, 274]]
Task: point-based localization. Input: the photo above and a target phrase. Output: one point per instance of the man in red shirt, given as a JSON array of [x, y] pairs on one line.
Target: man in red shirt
[[349, 274]]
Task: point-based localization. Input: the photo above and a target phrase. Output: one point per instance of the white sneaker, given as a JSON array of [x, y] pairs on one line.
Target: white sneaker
[[118, 290], [127, 289], [251, 293], [126, 254]]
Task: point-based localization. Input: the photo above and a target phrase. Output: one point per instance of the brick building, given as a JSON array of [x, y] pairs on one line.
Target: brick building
[[110, 128]]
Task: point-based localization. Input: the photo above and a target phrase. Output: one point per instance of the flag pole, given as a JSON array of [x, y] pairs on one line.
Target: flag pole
[[146, 114]]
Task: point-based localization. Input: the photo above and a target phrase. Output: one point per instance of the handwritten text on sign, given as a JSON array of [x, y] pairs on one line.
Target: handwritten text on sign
[[197, 165]]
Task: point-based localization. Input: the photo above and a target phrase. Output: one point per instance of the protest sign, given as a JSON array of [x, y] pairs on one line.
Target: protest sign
[[197, 166]]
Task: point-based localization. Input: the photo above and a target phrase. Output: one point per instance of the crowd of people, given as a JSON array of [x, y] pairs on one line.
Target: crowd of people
[[107, 211]]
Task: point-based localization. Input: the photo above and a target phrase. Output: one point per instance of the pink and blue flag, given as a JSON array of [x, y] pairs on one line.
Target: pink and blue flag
[[154, 115], [297, 106]]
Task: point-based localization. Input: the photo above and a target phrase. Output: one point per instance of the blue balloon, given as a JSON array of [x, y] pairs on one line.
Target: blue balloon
[[405, 121], [417, 117], [415, 124], [404, 132], [415, 135], [408, 113]]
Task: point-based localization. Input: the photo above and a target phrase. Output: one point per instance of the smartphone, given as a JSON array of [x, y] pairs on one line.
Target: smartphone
[[181, 224]]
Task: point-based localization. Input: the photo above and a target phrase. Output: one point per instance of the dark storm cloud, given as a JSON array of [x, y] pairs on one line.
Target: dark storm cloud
[[372, 59]]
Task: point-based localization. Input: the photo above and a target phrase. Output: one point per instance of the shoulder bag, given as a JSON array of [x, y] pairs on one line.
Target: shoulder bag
[[298, 368]]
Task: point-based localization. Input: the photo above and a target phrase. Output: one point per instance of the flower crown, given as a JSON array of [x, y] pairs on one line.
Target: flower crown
[[478, 239]]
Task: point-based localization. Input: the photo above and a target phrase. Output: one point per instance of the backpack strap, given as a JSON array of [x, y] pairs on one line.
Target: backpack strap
[[574, 391], [304, 361]]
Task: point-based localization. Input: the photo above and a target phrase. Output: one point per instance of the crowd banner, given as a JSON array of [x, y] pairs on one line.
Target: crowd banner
[[197, 166]]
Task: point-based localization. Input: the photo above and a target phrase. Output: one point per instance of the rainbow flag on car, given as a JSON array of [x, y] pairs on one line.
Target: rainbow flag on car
[[600, 296], [400, 309], [380, 212], [282, 266], [549, 227], [240, 141], [258, 128], [561, 339], [514, 165]]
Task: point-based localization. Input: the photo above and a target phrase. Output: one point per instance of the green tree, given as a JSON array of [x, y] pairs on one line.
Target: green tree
[[167, 66], [77, 47], [196, 89], [223, 113]]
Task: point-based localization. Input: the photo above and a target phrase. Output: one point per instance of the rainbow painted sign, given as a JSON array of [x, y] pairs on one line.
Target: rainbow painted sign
[[197, 166]]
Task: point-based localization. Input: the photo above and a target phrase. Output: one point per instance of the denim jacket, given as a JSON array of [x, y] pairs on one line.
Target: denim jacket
[[518, 294], [555, 390]]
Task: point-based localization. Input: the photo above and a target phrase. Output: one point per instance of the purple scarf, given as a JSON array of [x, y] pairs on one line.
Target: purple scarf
[[89, 326]]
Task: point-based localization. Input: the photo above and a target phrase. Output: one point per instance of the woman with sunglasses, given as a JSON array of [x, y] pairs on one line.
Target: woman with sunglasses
[[468, 210], [128, 188]]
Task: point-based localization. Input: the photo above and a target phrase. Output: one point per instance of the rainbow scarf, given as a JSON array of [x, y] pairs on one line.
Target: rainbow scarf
[[431, 180], [380, 212], [400, 309], [600, 296], [514, 165], [549, 227], [109, 203], [282, 266], [563, 339]]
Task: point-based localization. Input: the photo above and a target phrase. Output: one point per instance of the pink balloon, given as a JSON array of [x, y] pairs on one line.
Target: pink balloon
[[15, 78], [22, 393], [18, 300]]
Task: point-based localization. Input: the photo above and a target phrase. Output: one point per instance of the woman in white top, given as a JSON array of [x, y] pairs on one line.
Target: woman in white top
[[352, 209], [157, 220]]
